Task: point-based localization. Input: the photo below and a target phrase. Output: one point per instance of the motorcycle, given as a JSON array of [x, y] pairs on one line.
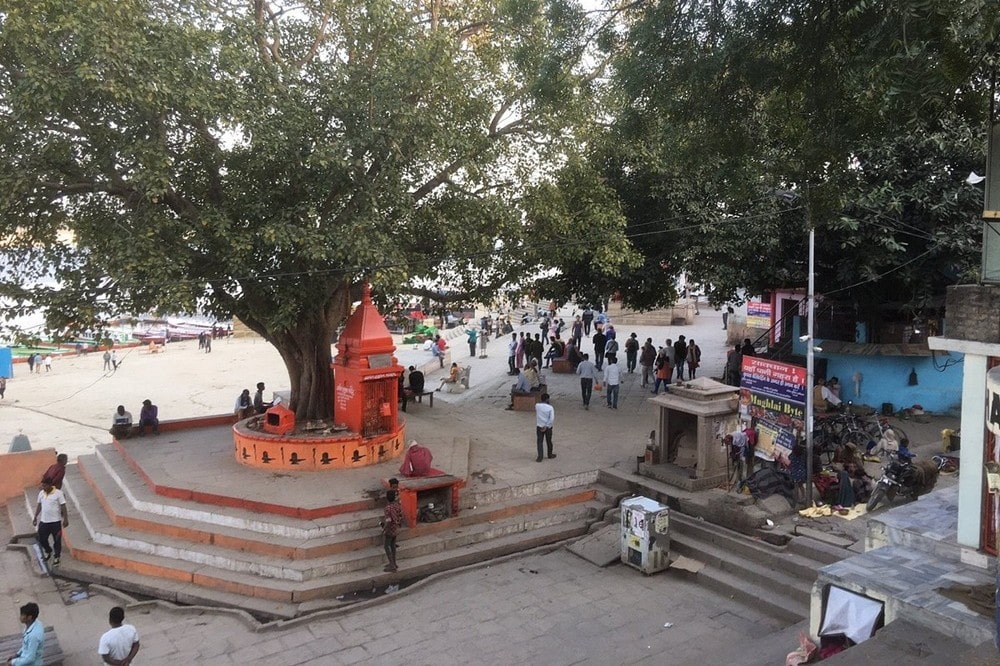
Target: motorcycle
[[902, 477]]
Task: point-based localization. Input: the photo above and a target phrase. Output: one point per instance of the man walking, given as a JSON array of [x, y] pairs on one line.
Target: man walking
[[600, 342], [587, 373], [119, 644], [588, 319], [646, 359], [680, 357], [50, 517], [392, 518], [612, 379], [545, 418], [631, 353], [32, 640]]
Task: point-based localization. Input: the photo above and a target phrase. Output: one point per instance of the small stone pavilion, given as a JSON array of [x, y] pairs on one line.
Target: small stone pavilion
[[693, 418], [369, 428]]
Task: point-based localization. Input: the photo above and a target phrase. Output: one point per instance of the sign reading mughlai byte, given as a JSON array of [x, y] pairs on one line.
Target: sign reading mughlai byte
[[774, 394]]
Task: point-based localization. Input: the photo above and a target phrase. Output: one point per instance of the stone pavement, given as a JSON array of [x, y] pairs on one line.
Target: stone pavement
[[547, 607]]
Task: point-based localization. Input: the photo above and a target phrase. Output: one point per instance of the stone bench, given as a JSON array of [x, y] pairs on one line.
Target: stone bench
[[562, 366], [52, 651], [409, 395], [525, 402]]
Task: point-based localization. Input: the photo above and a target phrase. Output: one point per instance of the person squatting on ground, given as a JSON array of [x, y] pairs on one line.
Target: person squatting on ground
[[545, 418], [50, 517], [32, 640], [392, 518], [149, 416], [121, 423], [119, 644]]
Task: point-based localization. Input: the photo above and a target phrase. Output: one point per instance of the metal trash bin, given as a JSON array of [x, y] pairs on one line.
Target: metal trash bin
[[645, 534]]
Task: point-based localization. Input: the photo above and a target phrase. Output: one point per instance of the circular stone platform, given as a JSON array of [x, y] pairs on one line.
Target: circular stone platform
[[312, 452]]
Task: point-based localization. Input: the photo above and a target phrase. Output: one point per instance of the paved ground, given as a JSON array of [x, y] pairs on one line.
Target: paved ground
[[542, 608]]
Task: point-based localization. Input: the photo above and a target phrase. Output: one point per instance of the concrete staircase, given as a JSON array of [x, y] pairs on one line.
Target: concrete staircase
[[776, 580], [124, 535]]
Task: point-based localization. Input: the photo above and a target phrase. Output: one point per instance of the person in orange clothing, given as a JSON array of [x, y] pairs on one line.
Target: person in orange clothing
[[417, 461]]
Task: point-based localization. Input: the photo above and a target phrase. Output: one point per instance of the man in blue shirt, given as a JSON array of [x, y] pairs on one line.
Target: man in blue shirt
[[30, 653]]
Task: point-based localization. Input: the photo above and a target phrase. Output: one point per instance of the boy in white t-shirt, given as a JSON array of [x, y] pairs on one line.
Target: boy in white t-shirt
[[50, 517], [120, 643]]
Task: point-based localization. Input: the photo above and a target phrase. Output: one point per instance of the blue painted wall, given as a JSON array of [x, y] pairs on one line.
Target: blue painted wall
[[885, 378]]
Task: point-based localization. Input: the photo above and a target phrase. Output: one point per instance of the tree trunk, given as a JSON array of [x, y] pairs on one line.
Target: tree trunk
[[306, 349]]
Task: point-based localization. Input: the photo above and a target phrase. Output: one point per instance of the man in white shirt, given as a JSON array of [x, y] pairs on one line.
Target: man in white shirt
[[588, 373], [50, 517], [612, 379], [120, 643], [511, 353], [121, 423], [545, 418]]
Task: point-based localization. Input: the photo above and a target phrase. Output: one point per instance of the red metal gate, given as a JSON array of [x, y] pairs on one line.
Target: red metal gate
[[380, 407]]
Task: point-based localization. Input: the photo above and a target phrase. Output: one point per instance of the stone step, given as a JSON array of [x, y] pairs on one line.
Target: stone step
[[730, 545], [189, 583], [749, 591], [818, 551], [170, 540], [480, 496], [770, 575], [113, 468], [273, 555]]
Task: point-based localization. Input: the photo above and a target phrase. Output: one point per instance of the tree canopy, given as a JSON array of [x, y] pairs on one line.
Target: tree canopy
[[261, 159], [737, 124]]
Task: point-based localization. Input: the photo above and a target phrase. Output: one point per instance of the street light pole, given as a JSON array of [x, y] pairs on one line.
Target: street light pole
[[810, 363]]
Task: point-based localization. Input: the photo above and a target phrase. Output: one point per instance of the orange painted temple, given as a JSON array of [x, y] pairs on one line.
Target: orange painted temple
[[368, 430]]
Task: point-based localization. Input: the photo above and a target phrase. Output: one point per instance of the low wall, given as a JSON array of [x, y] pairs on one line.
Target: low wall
[[23, 469]]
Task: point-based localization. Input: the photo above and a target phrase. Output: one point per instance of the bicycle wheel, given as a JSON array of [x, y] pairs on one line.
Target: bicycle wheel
[[877, 496]]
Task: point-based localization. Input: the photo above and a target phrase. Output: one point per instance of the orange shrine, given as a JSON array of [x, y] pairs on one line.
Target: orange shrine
[[369, 428]]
